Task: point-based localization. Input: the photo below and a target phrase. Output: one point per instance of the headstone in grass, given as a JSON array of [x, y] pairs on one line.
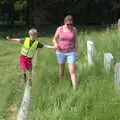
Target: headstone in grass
[[108, 61], [118, 24], [90, 46], [117, 76]]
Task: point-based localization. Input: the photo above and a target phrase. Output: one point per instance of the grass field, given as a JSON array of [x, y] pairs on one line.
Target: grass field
[[53, 98]]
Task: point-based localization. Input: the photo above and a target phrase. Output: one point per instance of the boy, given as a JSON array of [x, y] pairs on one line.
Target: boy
[[30, 45]]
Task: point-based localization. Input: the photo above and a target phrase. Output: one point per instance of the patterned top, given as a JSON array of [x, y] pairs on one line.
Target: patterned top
[[66, 40]]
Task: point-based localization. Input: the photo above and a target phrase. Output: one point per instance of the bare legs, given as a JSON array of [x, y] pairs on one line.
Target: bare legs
[[72, 71], [27, 76], [23, 76], [61, 70], [30, 77]]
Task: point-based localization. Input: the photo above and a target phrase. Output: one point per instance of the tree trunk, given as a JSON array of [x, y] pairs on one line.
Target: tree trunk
[[30, 9]]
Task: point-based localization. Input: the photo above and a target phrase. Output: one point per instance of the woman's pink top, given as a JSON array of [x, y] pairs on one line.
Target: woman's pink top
[[66, 40]]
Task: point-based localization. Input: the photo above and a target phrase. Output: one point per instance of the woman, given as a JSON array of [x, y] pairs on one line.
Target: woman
[[65, 43]]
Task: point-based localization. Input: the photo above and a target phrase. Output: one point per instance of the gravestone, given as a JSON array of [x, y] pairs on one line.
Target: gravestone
[[108, 61], [90, 47], [119, 25]]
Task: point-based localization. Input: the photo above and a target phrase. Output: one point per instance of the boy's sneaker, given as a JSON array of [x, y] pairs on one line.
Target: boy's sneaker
[[24, 78]]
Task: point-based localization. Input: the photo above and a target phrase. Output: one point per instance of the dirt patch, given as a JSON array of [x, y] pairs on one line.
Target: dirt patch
[[12, 112]]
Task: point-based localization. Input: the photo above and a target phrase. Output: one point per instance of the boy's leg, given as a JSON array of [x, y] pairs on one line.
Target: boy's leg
[[28, 66], [23, 69], [23, 76], [29, 73]]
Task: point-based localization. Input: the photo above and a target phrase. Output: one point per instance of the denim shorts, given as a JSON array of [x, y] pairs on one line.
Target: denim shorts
[[69, 57]]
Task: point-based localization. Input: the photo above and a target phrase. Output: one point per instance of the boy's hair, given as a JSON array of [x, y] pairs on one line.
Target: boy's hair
[[32, 31]]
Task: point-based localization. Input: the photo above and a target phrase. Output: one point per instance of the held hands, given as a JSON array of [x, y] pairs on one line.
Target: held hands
[[55, 45], [49, 46], [52, 46]]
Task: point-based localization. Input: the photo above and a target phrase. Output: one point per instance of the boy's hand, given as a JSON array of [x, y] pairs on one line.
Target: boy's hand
[[8, 37]]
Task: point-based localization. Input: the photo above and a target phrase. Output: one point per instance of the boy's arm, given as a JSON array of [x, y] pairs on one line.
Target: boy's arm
[[49, 46], [46, 46], [14, 39]]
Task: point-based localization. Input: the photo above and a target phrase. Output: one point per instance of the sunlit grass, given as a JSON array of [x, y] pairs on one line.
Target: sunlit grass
[[95, 99], [53, 98]]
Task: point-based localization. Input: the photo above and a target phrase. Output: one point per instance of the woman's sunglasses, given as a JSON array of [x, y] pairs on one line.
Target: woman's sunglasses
[[69, 24]]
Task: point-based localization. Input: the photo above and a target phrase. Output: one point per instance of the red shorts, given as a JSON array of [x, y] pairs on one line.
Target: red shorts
[[25, 63]]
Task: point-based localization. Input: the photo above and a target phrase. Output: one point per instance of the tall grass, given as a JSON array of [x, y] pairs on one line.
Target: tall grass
[[53, 98], [10, 89], [95, 99]]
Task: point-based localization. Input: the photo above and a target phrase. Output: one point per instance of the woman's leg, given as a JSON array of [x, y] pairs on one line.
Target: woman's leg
[[61, 70], [72, 70], [61, 61], [23, 75], [29, 71], [71, 59]]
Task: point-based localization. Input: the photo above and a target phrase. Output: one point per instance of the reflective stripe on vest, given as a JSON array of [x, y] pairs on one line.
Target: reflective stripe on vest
[[28, 50]]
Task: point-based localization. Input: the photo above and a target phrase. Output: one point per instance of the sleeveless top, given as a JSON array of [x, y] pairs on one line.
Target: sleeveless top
[[66, 40]]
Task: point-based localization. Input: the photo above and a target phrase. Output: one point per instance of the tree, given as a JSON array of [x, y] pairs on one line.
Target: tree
[[8, 10]]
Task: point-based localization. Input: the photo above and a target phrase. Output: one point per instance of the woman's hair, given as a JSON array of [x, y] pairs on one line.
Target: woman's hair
[[68, 18]]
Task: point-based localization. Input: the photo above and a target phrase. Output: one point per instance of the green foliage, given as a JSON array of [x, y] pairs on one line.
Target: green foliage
[[20, 5], [53, 11]]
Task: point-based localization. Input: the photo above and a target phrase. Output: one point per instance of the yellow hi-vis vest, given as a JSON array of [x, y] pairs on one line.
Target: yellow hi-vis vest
[[28, 50]]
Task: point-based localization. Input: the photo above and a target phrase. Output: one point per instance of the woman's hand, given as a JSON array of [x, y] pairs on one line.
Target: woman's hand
[[55, 45]]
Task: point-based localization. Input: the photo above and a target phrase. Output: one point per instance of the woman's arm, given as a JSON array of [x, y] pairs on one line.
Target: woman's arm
[[56, 37], [14, 39], [76, 40], [76, 44]]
